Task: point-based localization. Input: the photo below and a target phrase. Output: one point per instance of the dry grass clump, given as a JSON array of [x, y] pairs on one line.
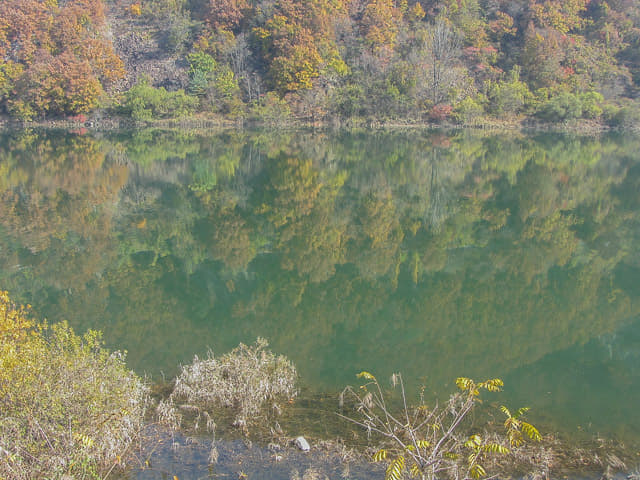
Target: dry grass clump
[[243, 380], [68, 407]]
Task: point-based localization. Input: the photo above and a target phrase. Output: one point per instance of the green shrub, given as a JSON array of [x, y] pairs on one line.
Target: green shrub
[[591, 104], [509, 97], [570, 106], [178, 33], [468, 110], [163, 9], [67, 405], [199, 83], [202, 67], [215, 84], [201, 62], [271, 110], [145, 102], [627, 117], [9, 73], [172, 18], [178, 104], [609, 111], [349, 101], [21, 110], [226, 92], [561, 107]]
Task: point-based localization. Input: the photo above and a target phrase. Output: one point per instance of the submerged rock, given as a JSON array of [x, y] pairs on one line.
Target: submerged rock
[[302, 444]]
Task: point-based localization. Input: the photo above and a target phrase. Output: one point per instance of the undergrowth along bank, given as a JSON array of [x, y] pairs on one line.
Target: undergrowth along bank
[[68, 406]]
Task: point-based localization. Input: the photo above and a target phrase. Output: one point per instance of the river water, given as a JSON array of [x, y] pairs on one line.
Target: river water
[[430, 253]]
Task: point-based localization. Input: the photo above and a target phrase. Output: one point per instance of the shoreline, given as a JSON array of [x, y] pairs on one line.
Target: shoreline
[[261, 450], [114, 123]]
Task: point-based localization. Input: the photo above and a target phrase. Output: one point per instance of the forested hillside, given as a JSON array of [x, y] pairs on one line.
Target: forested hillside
[[460, 61]]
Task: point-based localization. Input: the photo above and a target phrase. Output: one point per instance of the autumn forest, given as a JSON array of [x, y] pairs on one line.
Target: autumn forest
[[427, 61]]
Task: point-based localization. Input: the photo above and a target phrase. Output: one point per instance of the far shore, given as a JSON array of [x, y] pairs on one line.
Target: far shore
[[212, 122]]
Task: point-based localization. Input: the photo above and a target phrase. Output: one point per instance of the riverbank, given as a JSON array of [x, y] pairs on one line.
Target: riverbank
[[347, 452], [82, 124], [187, 459]]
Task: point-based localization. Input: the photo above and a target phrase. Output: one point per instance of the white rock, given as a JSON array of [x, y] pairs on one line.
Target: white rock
[[302, 444]]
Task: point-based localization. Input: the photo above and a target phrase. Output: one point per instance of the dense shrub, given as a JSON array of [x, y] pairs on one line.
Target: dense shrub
[[215, 84], [509, 97], [627, 117], [199, 83], [67, 405], [201, 62], [591, 104], [55, 57], [379, 60], [561, 107], [271, 110], [468, 110], [178, 33], [172, 18], [349, 101], [440, 112], [146, 102], [571, 106]]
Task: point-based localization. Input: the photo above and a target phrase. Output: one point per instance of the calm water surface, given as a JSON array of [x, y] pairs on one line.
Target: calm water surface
[[433, 254]]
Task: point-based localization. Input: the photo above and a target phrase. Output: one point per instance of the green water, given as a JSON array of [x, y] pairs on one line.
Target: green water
[[434, 254]]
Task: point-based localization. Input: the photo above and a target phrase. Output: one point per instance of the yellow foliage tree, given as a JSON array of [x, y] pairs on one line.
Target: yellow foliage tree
[[380, 20], [68, 407]]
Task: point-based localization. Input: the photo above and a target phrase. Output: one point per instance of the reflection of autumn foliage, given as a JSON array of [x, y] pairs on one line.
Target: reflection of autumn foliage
[[63, 194], [377, 236], [229, 239], [314, 245], [317, 241], [63, 57], [292, 189]]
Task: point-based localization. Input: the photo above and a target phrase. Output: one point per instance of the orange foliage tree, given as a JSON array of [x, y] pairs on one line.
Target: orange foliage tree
[[226, 14], [57, 55], [381, 20]]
